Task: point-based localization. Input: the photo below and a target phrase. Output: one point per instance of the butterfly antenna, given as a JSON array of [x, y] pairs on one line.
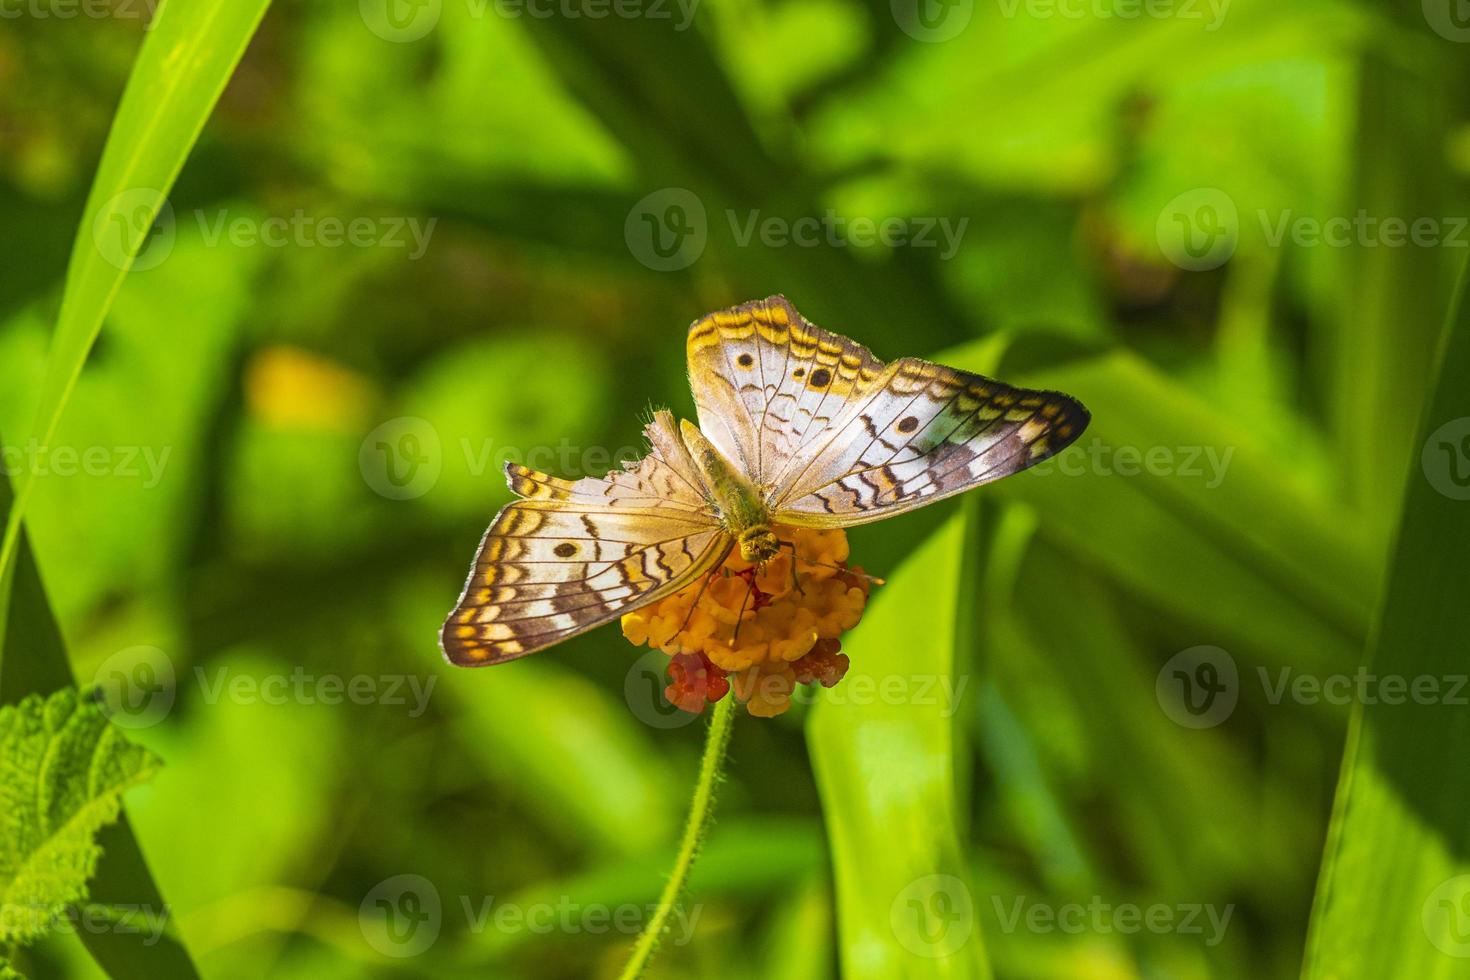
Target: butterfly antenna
[[843, 568]]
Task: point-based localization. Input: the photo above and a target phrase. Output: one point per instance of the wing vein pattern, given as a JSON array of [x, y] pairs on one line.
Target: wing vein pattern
[[835, 437], [571, 555]]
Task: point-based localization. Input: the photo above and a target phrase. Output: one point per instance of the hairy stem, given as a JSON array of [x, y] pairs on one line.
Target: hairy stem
[[700, 808]]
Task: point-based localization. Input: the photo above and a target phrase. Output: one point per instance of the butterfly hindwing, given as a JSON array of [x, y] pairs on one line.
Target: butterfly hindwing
[[923, 433], [574, 555], [547, 571]]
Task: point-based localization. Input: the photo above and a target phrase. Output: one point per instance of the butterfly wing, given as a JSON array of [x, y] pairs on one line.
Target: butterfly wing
[[574, 555], [767, 383], [835, 437], [923, 432]]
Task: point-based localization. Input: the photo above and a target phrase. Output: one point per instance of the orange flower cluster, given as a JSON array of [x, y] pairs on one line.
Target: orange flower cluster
[[761, 629]]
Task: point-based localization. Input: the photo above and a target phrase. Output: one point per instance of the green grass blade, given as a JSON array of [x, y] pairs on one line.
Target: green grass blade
[[1378, 369], [189, 55], [191, 51], [1394, 891], [886, 750]]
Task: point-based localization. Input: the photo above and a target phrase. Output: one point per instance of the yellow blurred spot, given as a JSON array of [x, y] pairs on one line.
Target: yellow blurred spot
[[290, 388]]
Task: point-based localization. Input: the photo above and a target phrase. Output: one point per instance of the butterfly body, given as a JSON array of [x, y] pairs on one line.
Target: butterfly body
[[798, 427], [740, 505]]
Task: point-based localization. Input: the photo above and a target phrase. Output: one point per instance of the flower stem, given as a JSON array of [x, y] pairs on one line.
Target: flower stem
[[700, 809]]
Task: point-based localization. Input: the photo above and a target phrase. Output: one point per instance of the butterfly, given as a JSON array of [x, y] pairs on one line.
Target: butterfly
[[797, 426]]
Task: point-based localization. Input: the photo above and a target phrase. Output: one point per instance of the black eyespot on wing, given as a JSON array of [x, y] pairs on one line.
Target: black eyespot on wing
[[908, 425], [745, 360], [565, 550], [821, 377]]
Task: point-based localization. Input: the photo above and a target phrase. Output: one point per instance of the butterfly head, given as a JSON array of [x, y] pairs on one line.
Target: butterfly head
[[758, 543]]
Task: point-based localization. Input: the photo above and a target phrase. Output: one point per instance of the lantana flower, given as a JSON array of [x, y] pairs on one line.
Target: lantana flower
[[758, 630]]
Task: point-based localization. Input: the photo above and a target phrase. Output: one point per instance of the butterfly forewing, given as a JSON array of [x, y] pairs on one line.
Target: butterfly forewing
[[767, 382], [835, 437]]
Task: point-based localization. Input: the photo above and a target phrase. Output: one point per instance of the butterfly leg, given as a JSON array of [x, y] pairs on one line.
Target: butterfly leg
[[795, 582], [695, 604], [735, 635]]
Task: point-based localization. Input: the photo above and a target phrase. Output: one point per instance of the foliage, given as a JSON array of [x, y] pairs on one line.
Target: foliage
[[65, 769], [296, 442], [887, 772], [1397, 851]]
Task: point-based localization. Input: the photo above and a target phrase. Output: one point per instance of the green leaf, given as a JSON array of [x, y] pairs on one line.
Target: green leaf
[[63, 770], [190, 52], [1394, 894], [886, 749]]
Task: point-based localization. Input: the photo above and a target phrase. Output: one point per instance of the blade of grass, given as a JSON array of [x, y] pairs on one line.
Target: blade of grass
[[1379, 372], [181, 70], [190, 52], [886, 751], [1394, 891]]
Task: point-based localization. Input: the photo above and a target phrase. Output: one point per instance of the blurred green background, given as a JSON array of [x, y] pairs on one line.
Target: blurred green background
[[415, 240]]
